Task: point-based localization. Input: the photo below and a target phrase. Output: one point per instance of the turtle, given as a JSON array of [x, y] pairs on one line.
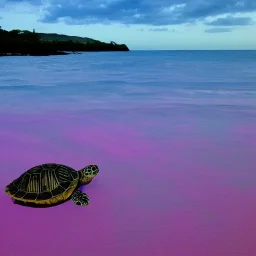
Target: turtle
[[50, 184]]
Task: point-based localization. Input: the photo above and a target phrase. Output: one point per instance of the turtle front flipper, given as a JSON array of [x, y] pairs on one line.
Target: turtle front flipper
[[80, 198]]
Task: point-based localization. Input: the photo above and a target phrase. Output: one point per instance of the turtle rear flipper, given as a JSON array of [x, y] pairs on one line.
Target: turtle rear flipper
[[80, 198]]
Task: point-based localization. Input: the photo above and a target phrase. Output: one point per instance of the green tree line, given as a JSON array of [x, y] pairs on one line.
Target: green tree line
[[24, 42]]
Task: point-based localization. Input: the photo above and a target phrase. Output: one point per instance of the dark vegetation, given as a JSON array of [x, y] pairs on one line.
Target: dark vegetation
[[23, 42], [58, 37]]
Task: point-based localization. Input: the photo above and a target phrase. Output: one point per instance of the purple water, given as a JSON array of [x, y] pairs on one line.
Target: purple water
[[173, 133]]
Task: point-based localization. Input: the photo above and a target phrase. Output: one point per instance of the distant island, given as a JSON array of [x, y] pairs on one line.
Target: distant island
[[26, 43]]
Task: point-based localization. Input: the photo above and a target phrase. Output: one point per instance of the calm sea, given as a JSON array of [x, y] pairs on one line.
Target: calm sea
[[173, 133]]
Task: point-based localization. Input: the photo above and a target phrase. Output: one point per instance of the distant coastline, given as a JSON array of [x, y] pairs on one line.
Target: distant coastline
[[26, 43]]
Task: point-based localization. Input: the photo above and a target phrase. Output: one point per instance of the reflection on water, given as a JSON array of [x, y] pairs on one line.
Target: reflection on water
[[177, 160]]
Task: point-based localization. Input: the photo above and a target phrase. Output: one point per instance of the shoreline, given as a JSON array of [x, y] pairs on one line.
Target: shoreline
[[9, 54], [28, 54]]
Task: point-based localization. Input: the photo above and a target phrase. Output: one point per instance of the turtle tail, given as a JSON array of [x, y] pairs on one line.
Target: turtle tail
[[11, 189], [7, 189]]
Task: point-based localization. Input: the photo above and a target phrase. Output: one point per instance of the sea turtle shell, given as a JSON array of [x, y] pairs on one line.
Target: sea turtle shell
[[44, 184]]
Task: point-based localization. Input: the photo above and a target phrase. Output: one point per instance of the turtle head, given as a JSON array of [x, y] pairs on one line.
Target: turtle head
[[88, 173]]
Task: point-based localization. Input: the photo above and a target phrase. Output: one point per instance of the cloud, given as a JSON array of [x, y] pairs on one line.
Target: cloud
[[218, 30], [158, 29], [143, 12], [231, 21], [33, 2]]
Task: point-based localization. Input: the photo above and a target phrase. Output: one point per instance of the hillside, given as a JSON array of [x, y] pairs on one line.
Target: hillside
[[23, 42], [60, 37]]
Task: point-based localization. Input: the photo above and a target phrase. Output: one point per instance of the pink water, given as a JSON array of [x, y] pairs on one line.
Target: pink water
[[174, 179]]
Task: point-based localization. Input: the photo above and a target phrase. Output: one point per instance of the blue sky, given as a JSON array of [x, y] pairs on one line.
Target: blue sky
[[144, 24]]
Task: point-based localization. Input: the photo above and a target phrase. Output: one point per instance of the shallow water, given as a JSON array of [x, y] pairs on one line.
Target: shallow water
[[173, 133]]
